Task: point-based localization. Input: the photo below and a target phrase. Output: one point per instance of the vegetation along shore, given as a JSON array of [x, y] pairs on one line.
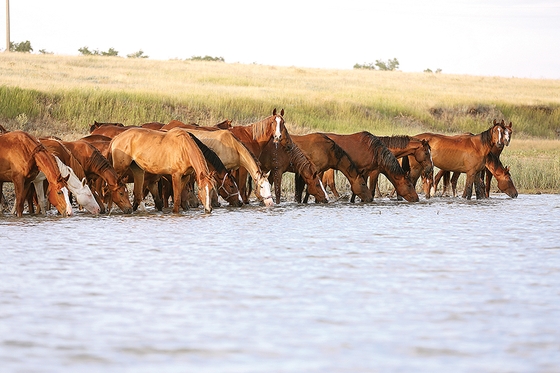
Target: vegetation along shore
[[64, 95]]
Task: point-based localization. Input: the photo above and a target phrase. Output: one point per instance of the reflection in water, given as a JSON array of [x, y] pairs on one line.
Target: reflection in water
[[387, 286]]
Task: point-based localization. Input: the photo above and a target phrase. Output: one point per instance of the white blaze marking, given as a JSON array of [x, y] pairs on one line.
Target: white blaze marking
[[67, 200], [207, 197], [278, 133], [324, 191]]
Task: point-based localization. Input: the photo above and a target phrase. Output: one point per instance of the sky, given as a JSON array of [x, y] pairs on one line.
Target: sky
[[508, 38]]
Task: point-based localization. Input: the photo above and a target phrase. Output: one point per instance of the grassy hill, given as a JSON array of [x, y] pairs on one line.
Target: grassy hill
[[63, 95]]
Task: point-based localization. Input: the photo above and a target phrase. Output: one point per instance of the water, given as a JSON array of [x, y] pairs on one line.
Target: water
[[440, 285]]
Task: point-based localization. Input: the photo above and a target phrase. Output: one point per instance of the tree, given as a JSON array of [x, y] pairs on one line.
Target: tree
[[206, 58], [86, 52], [390, 65], [139, 54], [24, 46], [110, 52]]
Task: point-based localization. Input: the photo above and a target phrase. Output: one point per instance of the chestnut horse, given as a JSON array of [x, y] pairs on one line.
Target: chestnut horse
[[113, 128], [289, 158], [21, 159], [463, 153], [224, 125], [97, 169], [497, 150], [404, 146], [326, 154], [234, 155], [493, 165], [163, 153], [370, 154]]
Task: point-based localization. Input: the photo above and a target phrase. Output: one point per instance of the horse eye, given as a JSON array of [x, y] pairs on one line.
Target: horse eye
[[59, 192]]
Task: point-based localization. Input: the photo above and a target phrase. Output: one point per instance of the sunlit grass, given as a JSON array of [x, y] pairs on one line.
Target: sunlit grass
[[63, 95]]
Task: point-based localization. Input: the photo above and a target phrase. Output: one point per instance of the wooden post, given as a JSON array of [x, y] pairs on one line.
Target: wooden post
[[7, 25]]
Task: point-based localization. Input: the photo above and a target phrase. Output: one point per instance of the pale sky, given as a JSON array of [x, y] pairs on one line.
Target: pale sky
[[510, 38]]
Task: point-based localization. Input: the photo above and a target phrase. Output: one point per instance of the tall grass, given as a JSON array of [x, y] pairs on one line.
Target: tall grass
[[63, 95]]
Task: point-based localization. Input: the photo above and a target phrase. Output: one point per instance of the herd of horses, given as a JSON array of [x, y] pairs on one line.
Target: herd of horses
[[192, 165]]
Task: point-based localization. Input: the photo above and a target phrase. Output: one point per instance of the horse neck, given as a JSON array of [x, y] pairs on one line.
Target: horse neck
[[99, 165], [301, 162], [247, 160], [196, 157], [47, 164], [494, 164], [485, 140], [400, 146]]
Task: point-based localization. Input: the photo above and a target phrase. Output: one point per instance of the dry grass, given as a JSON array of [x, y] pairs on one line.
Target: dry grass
[[63, 95]]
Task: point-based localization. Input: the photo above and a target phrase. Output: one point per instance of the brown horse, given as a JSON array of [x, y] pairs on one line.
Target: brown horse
[[326, 154], [463, 153], [163, 153], [404, 146], [497, 150], [234, 155], [21, 159], [370, 154], [493, 165], [98, 170], [224, 125], [107, 126], [289, 158]]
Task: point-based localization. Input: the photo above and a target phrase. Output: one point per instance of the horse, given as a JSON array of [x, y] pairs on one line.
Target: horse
[[98, 169], [255, 136], [404, 146], [370, 154], [326, 154], [224, 125], [101, 143], [79, 189], [497, 150], [21, 159], [494, 166], [463, 153], [163, 153], [228, 188], [290, 158], [235, 155]]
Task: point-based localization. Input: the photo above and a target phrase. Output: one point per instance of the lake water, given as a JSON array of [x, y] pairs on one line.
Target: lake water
[[445, 285]]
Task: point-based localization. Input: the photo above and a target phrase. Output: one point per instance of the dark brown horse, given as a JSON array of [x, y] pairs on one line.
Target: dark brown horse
[[21, 159], [279, 159], [463, 153], [99, 171], [404, 146], [370, 154], [326, 154]]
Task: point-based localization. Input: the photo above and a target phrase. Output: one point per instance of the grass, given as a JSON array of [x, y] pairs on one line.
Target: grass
[[63, 95]]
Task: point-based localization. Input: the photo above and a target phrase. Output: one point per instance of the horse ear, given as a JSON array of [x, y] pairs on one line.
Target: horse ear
[[84, 182], [282, 112], [494, 122], [267, 174], [274, 111]]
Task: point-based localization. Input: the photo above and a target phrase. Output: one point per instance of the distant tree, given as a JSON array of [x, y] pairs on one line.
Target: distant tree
[[390, 65], [139, 54], [86, 52], [438, 71], [206, 58], [44, 51], [24, 46], [428, 71]]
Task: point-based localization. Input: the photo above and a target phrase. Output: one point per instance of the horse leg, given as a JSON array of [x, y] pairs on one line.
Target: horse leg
[[155, 190], [241, 175], [277, 184], [467, 193], [300, 185], [178, 185], [373, 186], [328, 180], [138, 193], [479, 185], [488, 182], [20, 190], [454, 180]]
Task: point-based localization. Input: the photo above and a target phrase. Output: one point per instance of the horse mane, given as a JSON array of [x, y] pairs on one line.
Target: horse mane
[[381, 153], [260, 128], [399, 142], [97, 161], [299, 160], [209, 154], [339, 153], [494, 161], [486, 137]]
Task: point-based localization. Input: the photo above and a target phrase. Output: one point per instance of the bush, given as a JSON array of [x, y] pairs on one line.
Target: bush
[[390, 65], [139, 54], [206, 58], [86, 52], [24, 46]]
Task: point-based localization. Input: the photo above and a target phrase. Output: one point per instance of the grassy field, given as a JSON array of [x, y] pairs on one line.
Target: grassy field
[[63, 95]]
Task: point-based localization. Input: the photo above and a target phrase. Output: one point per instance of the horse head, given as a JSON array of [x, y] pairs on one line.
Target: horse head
[[359, 187], [315, 187], [230, 191], [207, 192], [58, 196], [280, 131], [263, 190], [119, 195], [508, 131], [505, 183], [497, 132]]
